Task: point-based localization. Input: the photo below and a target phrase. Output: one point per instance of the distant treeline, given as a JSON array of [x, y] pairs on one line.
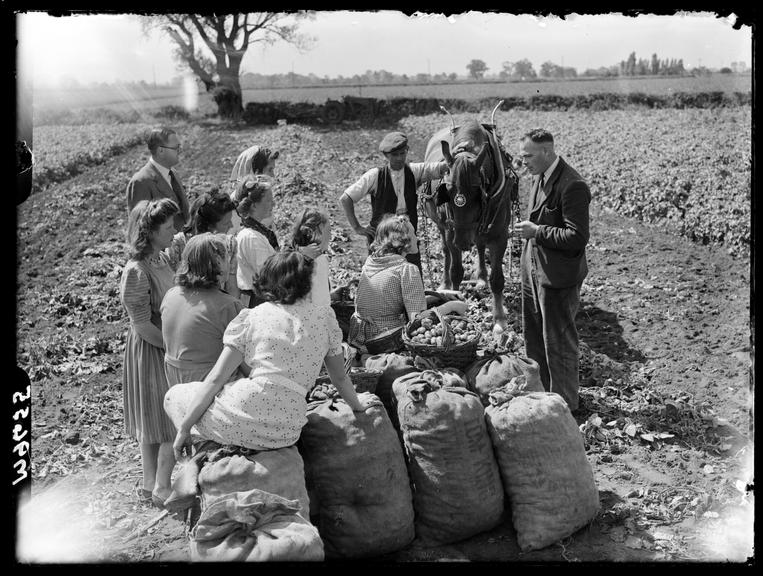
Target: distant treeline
[[521, 70]]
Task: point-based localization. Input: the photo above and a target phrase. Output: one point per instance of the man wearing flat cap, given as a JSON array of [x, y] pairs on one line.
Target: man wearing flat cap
[[392, 188]]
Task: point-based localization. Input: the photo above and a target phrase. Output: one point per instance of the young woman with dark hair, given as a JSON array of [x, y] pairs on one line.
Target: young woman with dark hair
[[146, 277], [281, 345]]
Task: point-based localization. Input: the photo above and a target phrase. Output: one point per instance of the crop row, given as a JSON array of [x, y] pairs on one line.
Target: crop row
[[62, 151]]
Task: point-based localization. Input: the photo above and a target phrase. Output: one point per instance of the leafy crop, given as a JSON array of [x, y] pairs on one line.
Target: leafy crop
[[688, 171]]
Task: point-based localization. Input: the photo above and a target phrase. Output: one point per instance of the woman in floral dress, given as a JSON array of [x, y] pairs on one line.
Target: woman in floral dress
[[281, 345]]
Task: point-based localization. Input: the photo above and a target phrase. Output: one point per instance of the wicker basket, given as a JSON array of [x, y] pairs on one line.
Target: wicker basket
[[386, 342], [363, 380], [453, 353]]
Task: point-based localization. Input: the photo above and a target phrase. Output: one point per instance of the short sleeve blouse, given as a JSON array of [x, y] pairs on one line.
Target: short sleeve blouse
[[289, 340]]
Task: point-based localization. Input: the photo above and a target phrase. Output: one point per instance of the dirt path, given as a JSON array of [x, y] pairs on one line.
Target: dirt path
[[665, 325]]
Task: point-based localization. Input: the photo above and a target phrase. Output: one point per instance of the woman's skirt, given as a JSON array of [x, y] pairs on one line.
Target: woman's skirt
[[261, 413], [144, 384]]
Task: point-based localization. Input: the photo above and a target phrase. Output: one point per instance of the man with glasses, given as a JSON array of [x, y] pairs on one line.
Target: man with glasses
[[157, 179], [392, 188]]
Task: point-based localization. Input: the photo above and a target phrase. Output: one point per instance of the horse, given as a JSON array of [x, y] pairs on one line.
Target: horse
[[471, 205]]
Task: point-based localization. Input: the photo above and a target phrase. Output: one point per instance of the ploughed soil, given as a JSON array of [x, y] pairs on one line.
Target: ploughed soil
[[666, 373]]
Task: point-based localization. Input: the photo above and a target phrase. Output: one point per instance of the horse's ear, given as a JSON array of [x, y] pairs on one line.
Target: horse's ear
[[446, 152]]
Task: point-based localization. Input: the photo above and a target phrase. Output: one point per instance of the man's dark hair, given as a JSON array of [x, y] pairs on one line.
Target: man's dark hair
[[538, 135], [158, 137]]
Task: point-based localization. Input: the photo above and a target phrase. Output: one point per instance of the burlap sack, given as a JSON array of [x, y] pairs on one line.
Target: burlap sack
[[392, 367], [278, 471], [457, 485], [254, 526], [495, 370], [548, 480], [357, 475]]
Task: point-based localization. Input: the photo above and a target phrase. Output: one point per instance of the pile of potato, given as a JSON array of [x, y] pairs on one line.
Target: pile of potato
[[432, 332]]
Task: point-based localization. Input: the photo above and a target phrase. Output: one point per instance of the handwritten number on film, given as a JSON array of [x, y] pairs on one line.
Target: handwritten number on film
[[20, 433]]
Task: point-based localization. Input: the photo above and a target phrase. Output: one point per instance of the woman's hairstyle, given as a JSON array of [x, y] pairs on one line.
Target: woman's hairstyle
[[146, 217], [250, 191], [261, 158], [306, 229], [200, 264], [207, 210], [392, 235], [285, 277]]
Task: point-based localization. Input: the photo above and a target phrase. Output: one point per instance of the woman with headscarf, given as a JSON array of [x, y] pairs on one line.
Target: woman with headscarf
[[253, 160]]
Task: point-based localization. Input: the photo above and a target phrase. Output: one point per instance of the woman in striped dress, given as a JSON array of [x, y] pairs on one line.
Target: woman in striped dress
[[145, 279]]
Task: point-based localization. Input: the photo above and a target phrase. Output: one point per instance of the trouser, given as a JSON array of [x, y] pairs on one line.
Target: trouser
[[551, 337]]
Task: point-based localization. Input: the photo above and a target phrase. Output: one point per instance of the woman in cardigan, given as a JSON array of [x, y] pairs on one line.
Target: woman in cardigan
[[390, 291]]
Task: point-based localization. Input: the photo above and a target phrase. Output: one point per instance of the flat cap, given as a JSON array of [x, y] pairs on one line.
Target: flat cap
[[393, 142]]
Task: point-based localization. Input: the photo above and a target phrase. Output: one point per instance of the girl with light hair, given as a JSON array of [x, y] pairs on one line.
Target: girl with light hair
[[390, 291]]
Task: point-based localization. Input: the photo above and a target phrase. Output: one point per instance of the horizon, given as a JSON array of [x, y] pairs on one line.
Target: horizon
[[417, 44]]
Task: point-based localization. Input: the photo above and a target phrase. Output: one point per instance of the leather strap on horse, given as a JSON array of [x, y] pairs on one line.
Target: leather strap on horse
[[492, 197], [426, 195]]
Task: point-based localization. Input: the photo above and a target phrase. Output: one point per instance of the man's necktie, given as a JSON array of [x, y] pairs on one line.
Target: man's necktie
[[175, 184]]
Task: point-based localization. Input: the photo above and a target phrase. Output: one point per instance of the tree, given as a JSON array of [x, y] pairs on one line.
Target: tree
[[519, 70], [226, 37], [655, 65], [477, 69], [550, 70]]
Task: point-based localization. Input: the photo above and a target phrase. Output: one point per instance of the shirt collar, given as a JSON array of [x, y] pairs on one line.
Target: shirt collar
[[162, 170], [550, 170]]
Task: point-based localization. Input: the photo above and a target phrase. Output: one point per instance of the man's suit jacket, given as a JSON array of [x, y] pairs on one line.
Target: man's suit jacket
[[149, 184], [560, 210]]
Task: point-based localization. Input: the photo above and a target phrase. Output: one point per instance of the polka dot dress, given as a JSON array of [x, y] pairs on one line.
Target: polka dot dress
[[285, 346]]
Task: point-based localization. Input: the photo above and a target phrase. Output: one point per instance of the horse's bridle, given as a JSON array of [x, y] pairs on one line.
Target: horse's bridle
[[454, 201]]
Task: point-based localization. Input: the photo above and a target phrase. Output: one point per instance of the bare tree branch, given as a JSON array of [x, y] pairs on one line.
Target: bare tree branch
[[226, 37]]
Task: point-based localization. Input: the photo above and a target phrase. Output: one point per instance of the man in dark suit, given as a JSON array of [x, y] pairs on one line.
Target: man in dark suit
[[157, 179], [553, 264]]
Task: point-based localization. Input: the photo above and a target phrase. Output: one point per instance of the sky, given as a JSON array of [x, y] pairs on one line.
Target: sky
[[111, 47]]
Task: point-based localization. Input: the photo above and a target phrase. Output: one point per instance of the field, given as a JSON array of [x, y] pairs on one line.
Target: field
[[664, 322], [150, 98]]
